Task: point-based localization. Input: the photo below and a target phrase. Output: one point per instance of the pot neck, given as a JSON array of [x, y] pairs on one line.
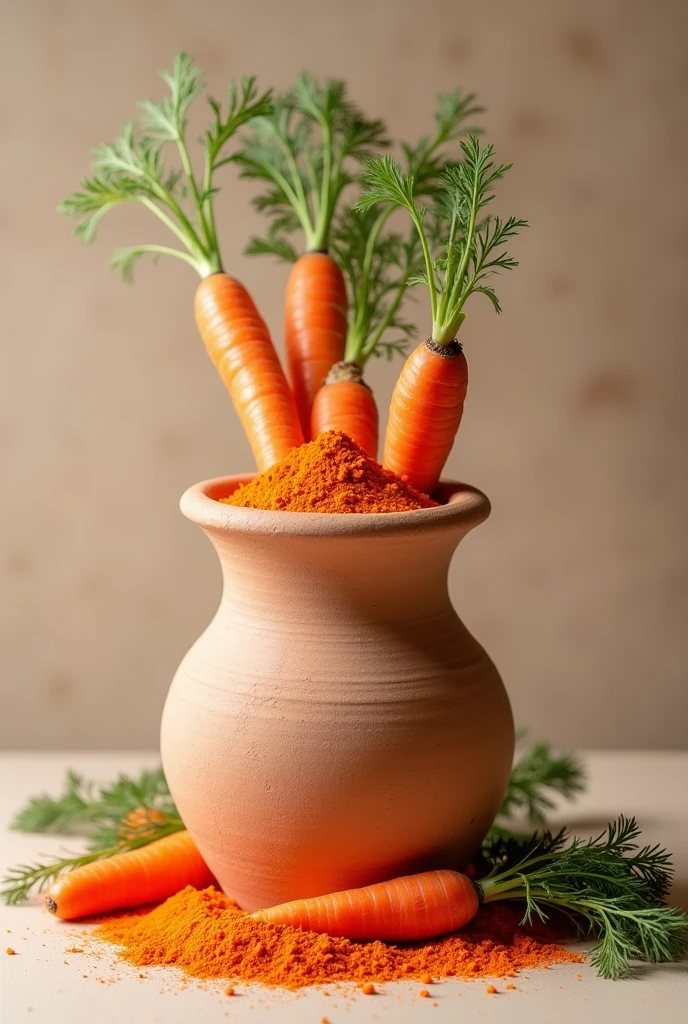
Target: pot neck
[[381, 576], [295, 566]]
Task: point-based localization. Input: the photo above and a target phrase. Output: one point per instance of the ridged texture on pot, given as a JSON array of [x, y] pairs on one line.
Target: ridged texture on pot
[[336, 724]]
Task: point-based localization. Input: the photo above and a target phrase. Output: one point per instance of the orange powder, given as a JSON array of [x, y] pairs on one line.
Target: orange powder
[[205, 934], [329, 474]]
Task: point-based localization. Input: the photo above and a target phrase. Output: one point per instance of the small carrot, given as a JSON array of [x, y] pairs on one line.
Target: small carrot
[[345, 402], [307, 151], [407, 908], [145, 875], [234, 334], [428, 399]]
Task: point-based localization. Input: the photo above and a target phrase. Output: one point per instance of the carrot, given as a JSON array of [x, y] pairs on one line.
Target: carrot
[[238, 342], [608, 887], [462, 249], [307, 152], [345, 402], [132, 169], [425, 413], [314, 327], [146, 875], [379, 265], [403, 909]]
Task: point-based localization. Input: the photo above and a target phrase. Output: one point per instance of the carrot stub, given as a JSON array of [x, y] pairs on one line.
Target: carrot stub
[[346, 403]]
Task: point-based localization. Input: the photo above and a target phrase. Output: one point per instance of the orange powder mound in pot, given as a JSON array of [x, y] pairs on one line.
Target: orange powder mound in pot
[[329, 474], [204, 933]]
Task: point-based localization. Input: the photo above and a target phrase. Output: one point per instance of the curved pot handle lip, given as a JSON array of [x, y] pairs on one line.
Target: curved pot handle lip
[[462, 508]]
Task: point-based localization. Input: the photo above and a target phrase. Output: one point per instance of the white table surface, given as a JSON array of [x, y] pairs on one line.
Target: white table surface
[[46, 983]]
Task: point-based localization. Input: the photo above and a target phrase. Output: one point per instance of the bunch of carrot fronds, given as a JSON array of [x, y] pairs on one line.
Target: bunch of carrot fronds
[[329, 188]]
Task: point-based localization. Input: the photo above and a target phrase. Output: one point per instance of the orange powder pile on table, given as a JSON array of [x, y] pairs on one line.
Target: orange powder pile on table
[[205, 934], [330, 474]]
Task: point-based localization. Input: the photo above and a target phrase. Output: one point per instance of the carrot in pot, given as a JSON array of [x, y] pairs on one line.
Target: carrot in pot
[[155, 871], [306, 152], [459, 252], [379, 265], [346, 403], [314, 327], [132, 170], [238, 342], [425, 413], [377, 268]]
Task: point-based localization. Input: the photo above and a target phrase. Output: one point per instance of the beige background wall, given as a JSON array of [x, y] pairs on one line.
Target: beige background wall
[[576, 423]]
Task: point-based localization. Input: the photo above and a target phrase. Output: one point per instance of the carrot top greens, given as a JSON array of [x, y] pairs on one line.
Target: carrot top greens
[[538, 778], [307, 150], [460, 251], [379, 264], [132, 169], [377, 280], [609, 887]]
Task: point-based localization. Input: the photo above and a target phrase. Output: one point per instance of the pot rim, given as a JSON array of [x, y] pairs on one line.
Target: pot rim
[[463, 507]]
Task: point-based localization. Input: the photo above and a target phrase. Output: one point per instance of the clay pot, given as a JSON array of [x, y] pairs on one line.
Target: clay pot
[[336, 724]]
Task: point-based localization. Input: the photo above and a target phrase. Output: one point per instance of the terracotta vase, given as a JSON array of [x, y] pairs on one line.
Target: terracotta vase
[[336, 724]]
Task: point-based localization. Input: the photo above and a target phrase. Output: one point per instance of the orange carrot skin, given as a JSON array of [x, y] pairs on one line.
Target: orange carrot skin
[[147, 875], [348, 406], [412, 907], [314, 327], [239, 344], [425, 413]]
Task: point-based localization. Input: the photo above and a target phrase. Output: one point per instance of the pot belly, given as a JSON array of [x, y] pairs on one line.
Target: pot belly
[[297, 780]]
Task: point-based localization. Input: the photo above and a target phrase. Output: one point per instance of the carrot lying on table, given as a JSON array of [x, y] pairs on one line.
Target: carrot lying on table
[[609, 887], [235, 336], [155, 871], [410, 907]]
